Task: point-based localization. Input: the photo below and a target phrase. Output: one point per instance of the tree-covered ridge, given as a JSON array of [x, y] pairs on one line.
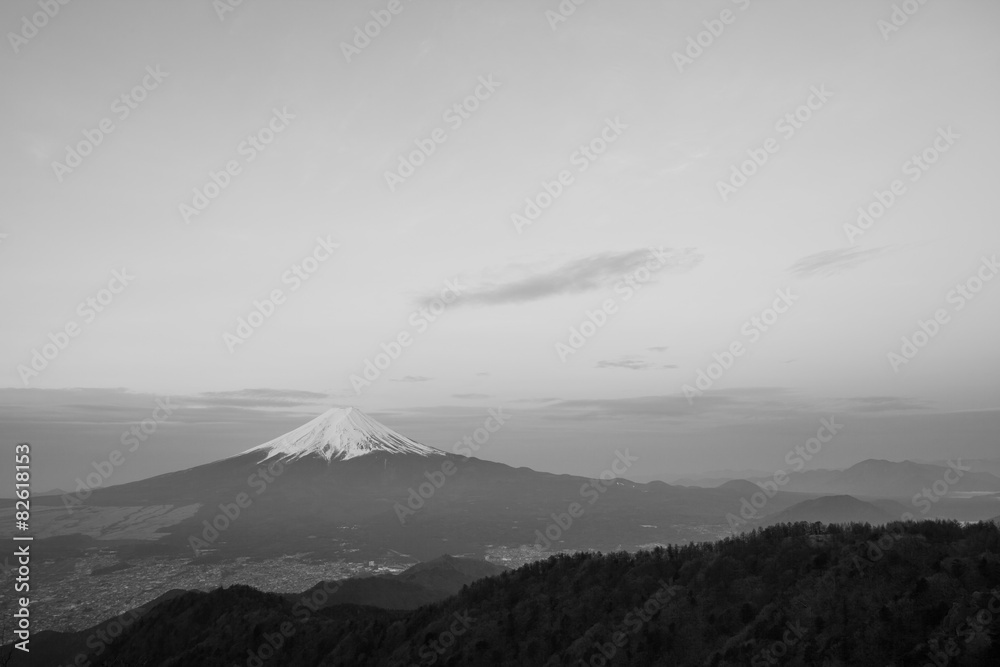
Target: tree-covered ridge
[[792, 594]]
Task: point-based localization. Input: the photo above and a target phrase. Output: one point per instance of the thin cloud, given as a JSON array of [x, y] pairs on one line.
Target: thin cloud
[[630, 364], [635, 362], [661, 348], [832, 262], [470, 395], [523, 283], [118, 406], [412, 378], [885, 404], [732, 405], [258, 398]]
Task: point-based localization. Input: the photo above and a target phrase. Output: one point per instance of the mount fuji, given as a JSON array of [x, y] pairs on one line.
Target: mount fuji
[[341, 434], [344, 484]]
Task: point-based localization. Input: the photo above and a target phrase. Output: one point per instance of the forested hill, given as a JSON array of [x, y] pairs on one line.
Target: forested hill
[[792, 594]]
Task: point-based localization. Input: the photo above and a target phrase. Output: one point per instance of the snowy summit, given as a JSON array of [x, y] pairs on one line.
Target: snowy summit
[[341, 434]]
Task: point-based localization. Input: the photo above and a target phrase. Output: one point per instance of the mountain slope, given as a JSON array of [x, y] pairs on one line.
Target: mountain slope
[[49, 647], [421, 584], [416, 586], [836, 602], [449, 573], [833, 509]]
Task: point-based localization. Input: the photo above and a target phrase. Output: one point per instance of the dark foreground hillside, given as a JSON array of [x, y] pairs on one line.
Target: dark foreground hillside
[[792, 594]]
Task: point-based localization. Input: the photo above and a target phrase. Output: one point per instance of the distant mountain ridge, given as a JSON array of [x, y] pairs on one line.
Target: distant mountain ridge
[[876, 478]]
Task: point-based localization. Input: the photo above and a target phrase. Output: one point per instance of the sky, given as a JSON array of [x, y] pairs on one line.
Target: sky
[[186, 165]]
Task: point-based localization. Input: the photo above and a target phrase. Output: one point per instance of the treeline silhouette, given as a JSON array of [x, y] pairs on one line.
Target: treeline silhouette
[[792, 594]]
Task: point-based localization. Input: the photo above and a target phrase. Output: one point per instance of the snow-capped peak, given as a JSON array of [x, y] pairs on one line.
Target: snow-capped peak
[[341, 434]]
